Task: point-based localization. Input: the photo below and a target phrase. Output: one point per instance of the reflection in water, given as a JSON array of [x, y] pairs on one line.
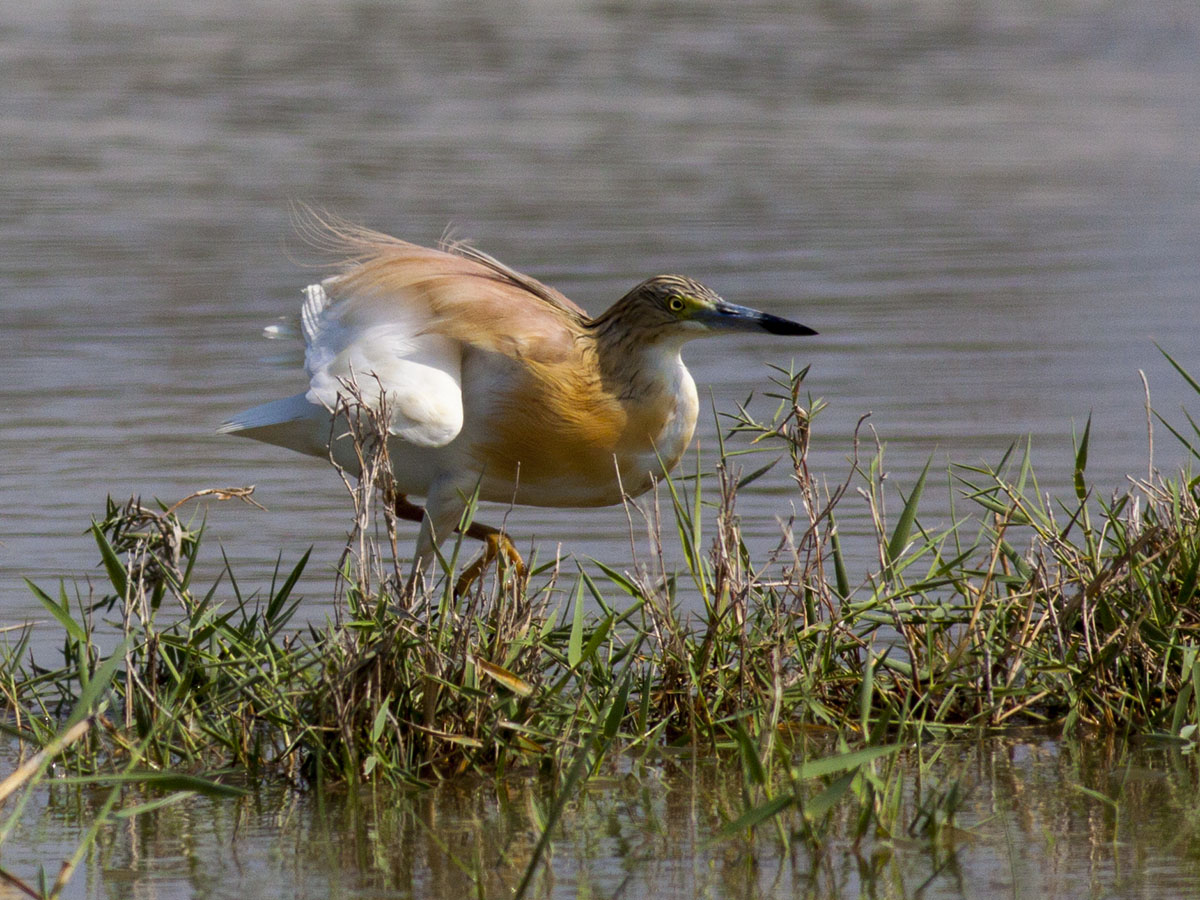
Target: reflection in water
[[1034, 823]]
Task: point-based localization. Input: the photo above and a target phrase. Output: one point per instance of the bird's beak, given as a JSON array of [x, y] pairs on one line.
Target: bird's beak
[[731, 317]]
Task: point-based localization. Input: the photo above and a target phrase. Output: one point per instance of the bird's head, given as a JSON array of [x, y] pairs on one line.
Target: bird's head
[[679, 307]]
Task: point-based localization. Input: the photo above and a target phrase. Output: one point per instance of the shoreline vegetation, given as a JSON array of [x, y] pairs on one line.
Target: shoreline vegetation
[[1073, 615]]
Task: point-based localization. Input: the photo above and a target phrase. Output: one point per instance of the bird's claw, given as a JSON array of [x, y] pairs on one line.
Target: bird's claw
[[496, 544]]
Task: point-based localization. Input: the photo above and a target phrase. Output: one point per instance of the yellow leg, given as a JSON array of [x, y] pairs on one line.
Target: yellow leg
[[495, 543]]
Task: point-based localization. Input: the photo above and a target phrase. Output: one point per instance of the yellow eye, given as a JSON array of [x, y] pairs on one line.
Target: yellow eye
[[675, 304]]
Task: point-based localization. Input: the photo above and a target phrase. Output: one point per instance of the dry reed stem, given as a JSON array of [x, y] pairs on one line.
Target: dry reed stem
[[31, 766]]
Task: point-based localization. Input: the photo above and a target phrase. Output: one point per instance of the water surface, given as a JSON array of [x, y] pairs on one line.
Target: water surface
[[1040, 818], [989, 213]]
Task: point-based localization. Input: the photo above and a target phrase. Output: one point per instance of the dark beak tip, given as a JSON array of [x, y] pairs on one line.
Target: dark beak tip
[[787, 327], [747, 317]]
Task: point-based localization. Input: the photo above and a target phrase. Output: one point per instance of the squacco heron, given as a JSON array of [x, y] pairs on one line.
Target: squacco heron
[[495, 382]]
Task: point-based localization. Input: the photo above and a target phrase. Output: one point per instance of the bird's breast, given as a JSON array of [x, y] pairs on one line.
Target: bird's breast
[[668, 418], [562, 436]]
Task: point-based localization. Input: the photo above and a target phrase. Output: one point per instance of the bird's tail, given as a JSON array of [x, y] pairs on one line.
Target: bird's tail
[[292, 422]]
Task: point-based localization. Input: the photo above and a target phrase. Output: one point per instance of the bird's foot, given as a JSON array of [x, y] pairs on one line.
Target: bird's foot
[[496, 544]]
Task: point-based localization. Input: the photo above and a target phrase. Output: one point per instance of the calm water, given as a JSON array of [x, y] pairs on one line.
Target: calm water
[[989, 211], [1027, 828]]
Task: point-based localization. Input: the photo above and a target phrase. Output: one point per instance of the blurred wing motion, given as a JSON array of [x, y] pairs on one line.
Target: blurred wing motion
[[396, 322]]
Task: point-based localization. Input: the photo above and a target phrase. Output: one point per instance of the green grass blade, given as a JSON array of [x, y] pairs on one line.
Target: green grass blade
[[757, 815], [819, 805], [165, 781], [757, 473], [61, 613], [96, 685], [280, 597], [1081, 457], [831, 765], [575, 642], [597, 638], [841, 577], [616, 713], [866, 697], [112, 563], [908, 516], [750, 758], [1195, 385]]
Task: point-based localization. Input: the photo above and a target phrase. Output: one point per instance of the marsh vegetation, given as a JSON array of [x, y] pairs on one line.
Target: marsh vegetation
[[830, 697]]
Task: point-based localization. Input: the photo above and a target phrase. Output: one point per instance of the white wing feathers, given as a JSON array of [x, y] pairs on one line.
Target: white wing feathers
[[382, 344], [315, 302]]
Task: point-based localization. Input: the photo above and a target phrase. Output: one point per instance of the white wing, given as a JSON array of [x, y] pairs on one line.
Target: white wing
[[382, 344]]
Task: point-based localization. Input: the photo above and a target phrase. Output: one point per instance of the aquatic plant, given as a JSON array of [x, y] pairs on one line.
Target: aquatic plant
[[1071, 614]]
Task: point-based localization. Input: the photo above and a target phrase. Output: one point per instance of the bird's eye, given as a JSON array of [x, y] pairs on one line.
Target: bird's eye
[[675, 304]]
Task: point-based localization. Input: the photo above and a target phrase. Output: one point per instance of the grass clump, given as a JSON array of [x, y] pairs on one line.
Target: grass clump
[[1068, 614]]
